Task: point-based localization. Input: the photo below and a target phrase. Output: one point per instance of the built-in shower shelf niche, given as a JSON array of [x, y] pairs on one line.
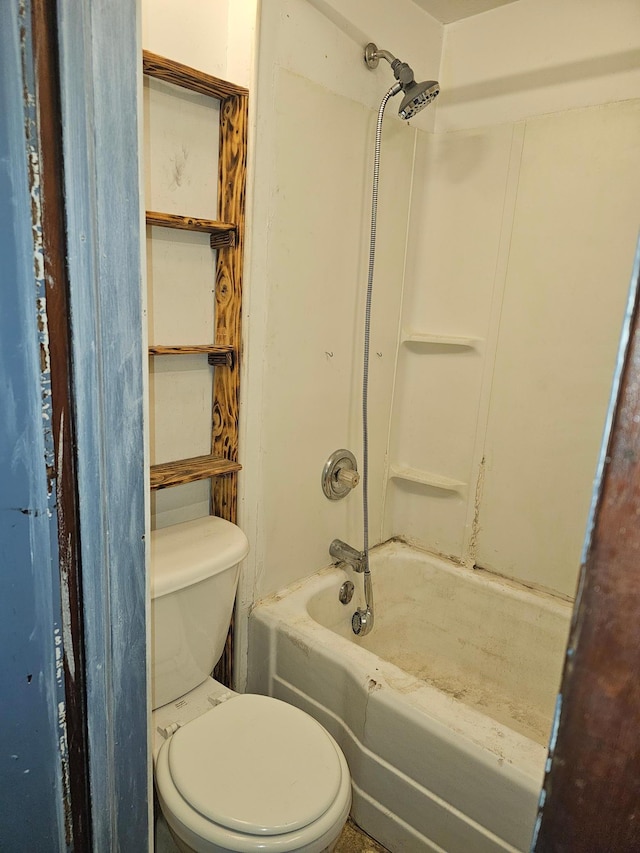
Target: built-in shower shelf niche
[[433, 340], [222, 356], [426, 478]]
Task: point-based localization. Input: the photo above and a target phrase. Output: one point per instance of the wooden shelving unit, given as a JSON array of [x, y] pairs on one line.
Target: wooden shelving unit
[[226, 236]]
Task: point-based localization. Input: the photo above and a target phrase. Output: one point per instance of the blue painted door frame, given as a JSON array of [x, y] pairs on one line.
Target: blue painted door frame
[[99, 79], [30, 624]]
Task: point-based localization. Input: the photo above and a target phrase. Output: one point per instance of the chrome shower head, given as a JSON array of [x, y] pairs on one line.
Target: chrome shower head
[[416, 95]]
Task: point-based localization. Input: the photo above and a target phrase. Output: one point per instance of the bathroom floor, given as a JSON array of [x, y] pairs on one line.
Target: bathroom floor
[[352, 840]]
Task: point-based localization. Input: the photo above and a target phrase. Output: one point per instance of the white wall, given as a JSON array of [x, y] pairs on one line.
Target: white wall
[[523, 236], [574, 231], [538, 56], [181, 163], [214, 36]]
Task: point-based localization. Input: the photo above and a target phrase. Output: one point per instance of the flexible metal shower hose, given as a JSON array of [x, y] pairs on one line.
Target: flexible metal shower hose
[[368, 589]]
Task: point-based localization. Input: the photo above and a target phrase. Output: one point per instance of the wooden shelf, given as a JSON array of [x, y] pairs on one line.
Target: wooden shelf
[[189, 78], [438, 340], [221, 233], [221, 356], [190, 470], [426, 478]]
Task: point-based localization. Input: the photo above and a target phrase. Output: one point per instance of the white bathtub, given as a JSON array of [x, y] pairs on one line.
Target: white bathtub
[[443, 711]]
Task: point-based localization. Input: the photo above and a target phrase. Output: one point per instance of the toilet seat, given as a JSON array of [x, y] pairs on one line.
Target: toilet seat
[[253, 773]]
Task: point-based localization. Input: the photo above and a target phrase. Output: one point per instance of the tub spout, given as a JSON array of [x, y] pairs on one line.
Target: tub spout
[[339, 550]]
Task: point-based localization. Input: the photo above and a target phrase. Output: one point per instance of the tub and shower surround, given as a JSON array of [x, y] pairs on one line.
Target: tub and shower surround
[[443, 712], [505, 239]]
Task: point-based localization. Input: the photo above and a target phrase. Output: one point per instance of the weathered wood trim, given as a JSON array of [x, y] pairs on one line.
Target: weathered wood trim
[[591, 796], [189, 470], [100, 71], [32, 750], [63, 478], [189, 78]]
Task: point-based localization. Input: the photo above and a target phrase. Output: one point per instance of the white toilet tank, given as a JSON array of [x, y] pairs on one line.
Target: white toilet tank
[[194, 574]]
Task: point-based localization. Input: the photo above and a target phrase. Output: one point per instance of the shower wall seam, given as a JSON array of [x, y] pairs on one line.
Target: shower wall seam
[[474, 501], [441, 69], [385, 483]]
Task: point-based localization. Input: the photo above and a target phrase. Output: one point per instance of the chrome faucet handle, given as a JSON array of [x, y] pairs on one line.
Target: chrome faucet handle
[[340, 474]]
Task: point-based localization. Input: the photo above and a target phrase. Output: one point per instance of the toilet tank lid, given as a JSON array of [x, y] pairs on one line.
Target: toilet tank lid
[[184, 554]]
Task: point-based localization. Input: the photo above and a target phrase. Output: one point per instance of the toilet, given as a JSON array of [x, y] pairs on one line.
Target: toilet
[[233, 772]]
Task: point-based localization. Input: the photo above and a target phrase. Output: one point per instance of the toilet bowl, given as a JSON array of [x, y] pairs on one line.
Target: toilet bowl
[[233, 772], [248, 773]]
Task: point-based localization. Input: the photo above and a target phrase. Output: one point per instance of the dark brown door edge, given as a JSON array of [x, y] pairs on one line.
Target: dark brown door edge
[[591, 797], [75, 768]]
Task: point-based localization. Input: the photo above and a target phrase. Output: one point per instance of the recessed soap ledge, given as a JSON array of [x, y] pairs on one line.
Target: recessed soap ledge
[[409, 336], [426, 478]]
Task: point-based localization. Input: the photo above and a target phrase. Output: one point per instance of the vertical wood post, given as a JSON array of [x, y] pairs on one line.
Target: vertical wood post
[[226, 383], [226, 386], [64, 479]]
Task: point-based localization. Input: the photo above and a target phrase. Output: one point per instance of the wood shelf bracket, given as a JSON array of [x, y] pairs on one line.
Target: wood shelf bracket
[[217, 356], [222, 234]]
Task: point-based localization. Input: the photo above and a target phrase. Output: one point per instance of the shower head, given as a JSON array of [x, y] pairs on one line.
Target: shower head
[[416, 95]]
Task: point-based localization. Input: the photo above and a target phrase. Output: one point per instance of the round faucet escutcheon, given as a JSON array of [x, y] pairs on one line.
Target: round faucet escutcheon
[[340, 475]]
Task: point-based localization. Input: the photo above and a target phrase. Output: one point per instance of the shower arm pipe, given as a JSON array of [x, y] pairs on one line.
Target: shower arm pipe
[[402, 72], [363, 619], [384, 54]]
